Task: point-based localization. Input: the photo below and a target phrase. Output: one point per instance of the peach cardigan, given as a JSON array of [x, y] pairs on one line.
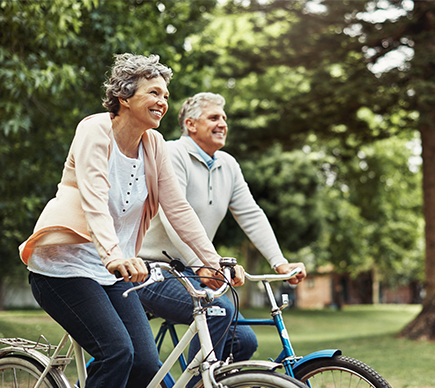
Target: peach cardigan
[[79, 213]]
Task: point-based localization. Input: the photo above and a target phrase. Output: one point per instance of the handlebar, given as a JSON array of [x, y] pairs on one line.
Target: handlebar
[[273, 277], [155, 275]]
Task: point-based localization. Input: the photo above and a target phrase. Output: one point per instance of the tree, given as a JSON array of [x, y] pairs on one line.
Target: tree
[[315, 68], [382, 229], [54, 58], [35, 69]]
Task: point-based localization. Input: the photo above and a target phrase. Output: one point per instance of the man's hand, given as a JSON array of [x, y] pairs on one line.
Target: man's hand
[[288, 267], [204, 273], [239, 278], [132, 269]]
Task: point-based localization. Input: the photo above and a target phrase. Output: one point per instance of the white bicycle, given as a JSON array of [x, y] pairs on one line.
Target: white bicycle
[[25, 363]]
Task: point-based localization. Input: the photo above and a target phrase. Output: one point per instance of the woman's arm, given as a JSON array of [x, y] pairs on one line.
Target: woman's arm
[[90, 151], [180, 214]]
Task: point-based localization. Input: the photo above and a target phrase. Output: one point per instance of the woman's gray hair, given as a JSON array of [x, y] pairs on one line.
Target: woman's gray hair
[[127, 71], [193, 106]]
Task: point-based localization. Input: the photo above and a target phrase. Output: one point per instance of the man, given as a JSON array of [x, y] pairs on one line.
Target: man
[[212, 182]]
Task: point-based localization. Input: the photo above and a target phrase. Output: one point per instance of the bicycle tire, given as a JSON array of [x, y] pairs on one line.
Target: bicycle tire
[[256, 378], [339, 371], [22, 371]]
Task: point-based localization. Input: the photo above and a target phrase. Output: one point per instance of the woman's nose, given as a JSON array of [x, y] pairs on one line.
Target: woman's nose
[[162, 101]]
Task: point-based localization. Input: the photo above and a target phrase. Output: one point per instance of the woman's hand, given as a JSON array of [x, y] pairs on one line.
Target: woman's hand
[[288, 267], [206, 273], [132, 269]]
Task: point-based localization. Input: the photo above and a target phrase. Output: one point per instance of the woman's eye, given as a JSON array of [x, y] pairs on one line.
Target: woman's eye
[[154, 92]]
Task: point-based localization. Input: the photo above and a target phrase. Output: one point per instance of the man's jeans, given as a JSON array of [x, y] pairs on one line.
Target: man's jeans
[[112, 329], [171, 301]]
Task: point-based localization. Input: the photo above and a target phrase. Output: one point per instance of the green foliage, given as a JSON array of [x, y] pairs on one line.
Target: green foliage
[[54, 58], [287, 189], [373, 210], [291, 76], [302, 76], [36, 87]]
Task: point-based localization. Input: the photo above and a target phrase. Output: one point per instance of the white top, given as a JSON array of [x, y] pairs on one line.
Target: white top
[[127, 194]]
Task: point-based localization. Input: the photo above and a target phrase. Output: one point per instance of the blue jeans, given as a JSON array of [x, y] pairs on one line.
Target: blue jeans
[[170, 300], [112, 329]]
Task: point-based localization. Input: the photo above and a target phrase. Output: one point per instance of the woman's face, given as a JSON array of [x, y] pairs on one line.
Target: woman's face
[[150, 102]]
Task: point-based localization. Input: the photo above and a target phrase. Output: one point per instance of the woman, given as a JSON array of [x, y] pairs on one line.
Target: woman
[[116, 175]]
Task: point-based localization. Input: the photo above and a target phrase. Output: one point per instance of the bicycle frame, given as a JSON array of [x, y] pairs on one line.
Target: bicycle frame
[[287, 357], [205, 354], [204, 362]]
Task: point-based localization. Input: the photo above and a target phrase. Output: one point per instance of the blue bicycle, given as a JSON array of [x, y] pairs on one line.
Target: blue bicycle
[[322, 369]]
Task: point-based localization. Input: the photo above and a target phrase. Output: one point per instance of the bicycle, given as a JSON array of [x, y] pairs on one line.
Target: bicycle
[[323, 369], [27, 363]]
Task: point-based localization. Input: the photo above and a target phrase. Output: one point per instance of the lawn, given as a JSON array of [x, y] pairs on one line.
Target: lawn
[[367, 333]]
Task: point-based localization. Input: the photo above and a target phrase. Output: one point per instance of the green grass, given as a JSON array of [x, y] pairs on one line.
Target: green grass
[[367, 333]]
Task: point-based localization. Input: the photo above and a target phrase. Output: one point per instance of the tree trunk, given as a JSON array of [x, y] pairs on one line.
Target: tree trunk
[[423, 326], [2, 293], [375, 285], [253, 257]]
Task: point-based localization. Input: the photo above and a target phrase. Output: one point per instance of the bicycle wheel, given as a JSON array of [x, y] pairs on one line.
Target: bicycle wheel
[[256, 378], [23, 372], [339, 371]]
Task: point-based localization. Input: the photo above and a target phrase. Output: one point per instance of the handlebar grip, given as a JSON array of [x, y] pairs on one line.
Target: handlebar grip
[[232, 274], [119, 276]]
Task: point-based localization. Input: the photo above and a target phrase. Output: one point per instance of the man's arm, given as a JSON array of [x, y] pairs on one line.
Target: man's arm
[[253, 220], [256, 225]]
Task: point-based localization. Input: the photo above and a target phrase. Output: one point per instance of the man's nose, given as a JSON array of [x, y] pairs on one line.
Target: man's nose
[[222, 123]]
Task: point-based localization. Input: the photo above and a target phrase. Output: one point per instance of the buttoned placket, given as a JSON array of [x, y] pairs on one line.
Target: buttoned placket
[[131, 181], [210, 185]]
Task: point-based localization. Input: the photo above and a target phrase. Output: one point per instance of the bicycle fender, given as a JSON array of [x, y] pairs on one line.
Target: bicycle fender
[[249, 364], [42, 359], [326, 353], [31, 353]]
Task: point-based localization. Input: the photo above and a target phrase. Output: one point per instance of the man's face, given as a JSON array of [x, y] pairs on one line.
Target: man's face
[[210, 130]]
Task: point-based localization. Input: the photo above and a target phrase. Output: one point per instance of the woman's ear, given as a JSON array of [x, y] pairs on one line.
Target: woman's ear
[[123, 101]]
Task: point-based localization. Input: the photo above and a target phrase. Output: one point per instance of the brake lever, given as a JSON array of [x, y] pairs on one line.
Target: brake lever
[[156, 275]]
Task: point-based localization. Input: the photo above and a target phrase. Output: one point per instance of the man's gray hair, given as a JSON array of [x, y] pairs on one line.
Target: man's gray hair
[[127, 71], [193, 106]]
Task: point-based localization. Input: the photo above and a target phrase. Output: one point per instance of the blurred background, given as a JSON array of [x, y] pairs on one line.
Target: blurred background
[[331, 115]]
